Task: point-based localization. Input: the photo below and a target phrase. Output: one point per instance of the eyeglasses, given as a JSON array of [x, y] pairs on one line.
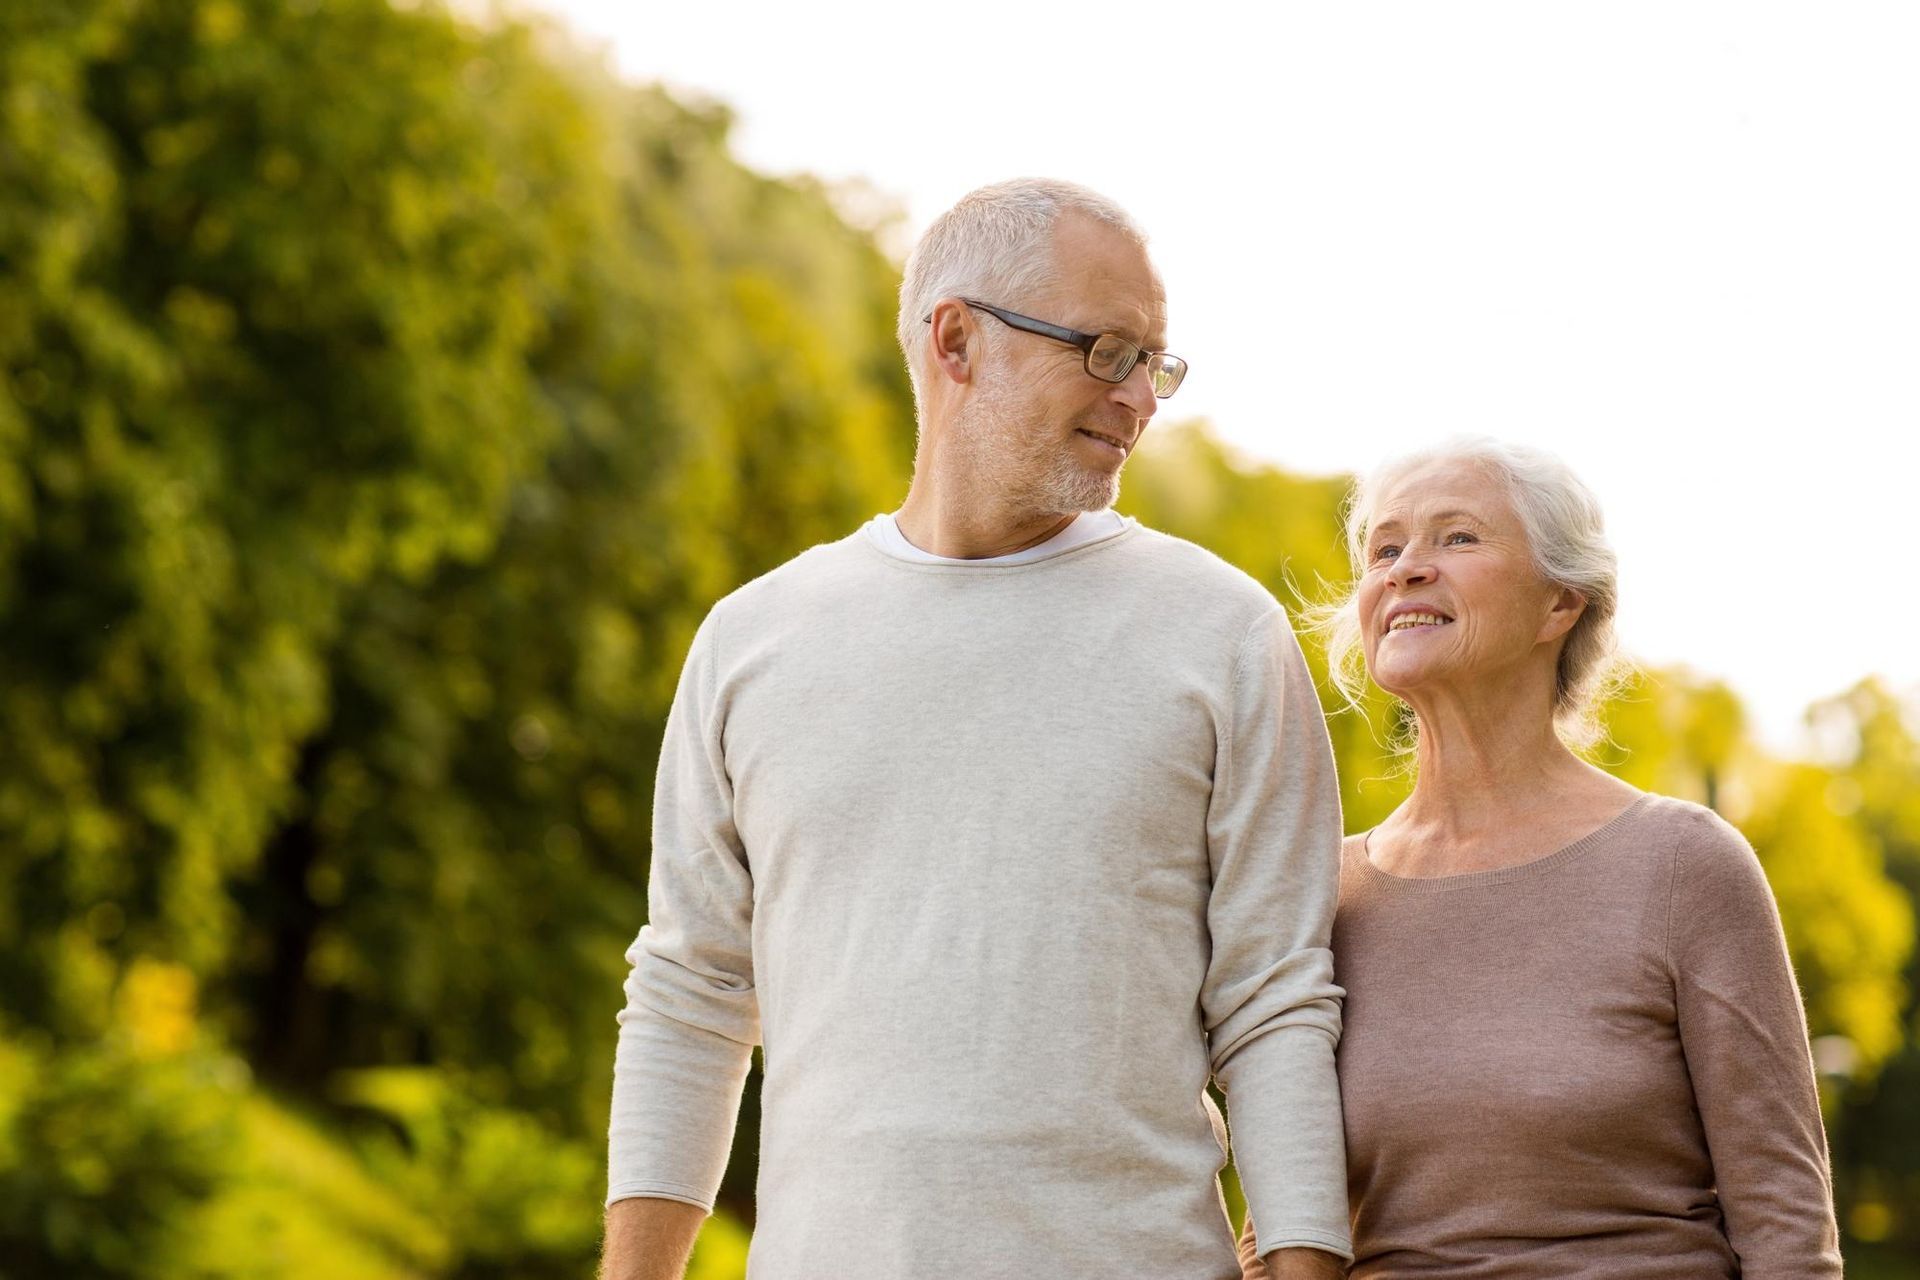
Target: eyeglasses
[[1108, 356]]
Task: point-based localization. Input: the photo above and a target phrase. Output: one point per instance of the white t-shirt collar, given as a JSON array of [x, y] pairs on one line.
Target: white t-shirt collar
[[1088, 526]]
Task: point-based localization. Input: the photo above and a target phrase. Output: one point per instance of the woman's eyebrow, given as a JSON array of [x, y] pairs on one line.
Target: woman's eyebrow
[[1394, 523]]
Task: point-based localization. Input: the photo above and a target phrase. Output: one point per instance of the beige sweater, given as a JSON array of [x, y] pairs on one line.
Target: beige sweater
[[1590, 1065], [1000, 863]]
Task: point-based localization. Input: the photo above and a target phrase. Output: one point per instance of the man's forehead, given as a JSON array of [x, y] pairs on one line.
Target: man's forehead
[[1083, 246], [1107, 313], [1106, 278]]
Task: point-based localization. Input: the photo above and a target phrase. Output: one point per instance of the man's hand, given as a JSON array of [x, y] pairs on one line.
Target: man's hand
[[649, 1239], [1298, 1264]]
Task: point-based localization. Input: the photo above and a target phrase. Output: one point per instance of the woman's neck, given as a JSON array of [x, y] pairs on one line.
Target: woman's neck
[[1494, 785]]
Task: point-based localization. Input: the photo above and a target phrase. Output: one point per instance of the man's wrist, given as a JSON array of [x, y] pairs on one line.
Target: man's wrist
[[649, 1238]]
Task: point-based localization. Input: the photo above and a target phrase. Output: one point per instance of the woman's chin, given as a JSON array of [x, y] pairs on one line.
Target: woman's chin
[[1401, 678]]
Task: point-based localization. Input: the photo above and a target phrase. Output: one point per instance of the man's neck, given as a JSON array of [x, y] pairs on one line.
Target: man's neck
[[974, 531]]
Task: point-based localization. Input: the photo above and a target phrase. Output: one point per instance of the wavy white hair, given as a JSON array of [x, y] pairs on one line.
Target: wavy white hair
[[1566, 538]]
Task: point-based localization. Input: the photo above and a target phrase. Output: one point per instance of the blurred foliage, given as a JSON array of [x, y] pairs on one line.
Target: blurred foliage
[[302, 1204], [384, 397], [104, 1149], [1873, 738], [504, 1192]]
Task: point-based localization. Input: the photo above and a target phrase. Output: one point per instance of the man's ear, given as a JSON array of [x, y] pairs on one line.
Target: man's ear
[[951, 339]]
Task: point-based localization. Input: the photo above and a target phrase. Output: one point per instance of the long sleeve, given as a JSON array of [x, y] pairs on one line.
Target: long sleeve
[[1270, 1006], [691, 1017], [1744, 1033]]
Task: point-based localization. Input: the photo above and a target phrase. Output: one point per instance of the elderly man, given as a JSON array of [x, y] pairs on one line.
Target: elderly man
[[1004, 824]]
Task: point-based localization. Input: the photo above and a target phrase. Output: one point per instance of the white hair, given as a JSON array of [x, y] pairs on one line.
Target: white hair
[[1566, 539], [995, 245]]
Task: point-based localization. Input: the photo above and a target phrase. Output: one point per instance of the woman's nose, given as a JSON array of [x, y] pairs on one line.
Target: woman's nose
[[1410, 570]]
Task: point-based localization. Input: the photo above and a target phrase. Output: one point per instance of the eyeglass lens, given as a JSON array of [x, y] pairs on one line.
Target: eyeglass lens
[[1112, 359]]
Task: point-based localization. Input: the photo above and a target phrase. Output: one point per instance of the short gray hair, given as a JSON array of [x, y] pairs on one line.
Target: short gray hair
[[1566, 538], [996, 244]]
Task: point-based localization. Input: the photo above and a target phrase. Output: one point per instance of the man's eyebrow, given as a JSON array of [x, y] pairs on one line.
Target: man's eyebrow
[[1124, 327]]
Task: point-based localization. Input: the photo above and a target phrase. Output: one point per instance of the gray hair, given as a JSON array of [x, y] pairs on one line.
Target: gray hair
[[996, 245], [1566, 539]]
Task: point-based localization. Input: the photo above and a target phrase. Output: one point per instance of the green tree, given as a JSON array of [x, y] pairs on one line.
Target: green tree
[[488, 760], [385, 398], [1849, 927], [265, 341], [1872, 736]]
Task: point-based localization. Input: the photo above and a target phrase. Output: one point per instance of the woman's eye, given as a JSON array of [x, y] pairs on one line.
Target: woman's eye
[[1386, 552], [1462, 536]]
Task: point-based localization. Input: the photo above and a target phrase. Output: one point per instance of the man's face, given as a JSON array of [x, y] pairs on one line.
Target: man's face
[[1041, 430]]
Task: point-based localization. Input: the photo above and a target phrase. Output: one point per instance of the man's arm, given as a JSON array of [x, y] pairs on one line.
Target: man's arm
[[1271, 1009], [649, 1239], [692, 1016]]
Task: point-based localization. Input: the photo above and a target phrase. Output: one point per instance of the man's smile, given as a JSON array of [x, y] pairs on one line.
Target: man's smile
[[1122, 447]]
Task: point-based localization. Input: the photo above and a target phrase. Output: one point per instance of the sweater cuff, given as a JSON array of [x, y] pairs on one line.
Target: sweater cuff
[[658, 1191]]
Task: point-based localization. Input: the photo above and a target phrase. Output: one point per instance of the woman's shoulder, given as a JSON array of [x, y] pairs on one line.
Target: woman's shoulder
[[1353, 866], [1714, 875], [1696, 836]]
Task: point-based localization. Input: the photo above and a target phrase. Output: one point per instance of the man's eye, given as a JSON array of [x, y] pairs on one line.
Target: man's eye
[[1110, 353]]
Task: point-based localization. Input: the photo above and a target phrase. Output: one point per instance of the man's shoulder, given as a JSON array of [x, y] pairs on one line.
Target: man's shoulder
[[819, 569], [1192, 571]]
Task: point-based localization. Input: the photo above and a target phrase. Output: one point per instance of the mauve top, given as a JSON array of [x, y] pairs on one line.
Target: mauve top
[[1594, 1064]]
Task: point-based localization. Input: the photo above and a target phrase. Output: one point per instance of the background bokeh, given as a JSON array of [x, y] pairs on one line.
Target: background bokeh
[[384, 396]]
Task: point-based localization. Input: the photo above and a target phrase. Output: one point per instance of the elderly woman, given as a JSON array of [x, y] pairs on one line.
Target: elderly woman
[[1573, 1045]]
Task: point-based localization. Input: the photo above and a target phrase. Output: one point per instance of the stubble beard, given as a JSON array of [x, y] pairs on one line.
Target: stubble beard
[[1016, 458]]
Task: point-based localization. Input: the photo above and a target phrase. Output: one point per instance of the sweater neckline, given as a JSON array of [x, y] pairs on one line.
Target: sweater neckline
[[1502, 875], [1129, 527]]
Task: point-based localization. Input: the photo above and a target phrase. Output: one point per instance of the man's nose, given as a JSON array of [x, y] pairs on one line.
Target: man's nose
[[1136, 392]]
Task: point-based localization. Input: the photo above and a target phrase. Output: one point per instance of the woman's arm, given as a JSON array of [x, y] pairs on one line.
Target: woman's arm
[[1286, 1264], [1744, 1033]]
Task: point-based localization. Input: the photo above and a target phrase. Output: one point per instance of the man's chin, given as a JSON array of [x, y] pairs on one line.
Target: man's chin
[[1091, 491]]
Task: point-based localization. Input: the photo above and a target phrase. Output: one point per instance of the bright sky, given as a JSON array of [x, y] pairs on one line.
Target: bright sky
[[1676, 243]]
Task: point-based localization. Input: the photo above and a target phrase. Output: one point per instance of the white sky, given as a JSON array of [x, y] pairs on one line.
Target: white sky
[[1677, 243]]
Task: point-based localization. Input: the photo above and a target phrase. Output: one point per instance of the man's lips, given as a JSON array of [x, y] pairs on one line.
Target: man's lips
[[1124, 446]]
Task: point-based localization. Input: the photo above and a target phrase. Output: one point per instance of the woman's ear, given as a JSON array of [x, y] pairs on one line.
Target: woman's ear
[[1568, 605]]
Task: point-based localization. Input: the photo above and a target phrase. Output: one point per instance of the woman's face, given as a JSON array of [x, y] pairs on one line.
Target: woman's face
[[1449, 596]]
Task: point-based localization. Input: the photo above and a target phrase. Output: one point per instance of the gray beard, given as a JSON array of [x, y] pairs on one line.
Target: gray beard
[[1017, 460]]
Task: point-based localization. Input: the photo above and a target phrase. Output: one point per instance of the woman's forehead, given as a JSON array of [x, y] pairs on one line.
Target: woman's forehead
[[1443, 490]]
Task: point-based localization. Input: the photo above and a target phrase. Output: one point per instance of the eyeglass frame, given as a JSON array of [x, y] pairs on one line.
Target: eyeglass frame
[[1078, 338]]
